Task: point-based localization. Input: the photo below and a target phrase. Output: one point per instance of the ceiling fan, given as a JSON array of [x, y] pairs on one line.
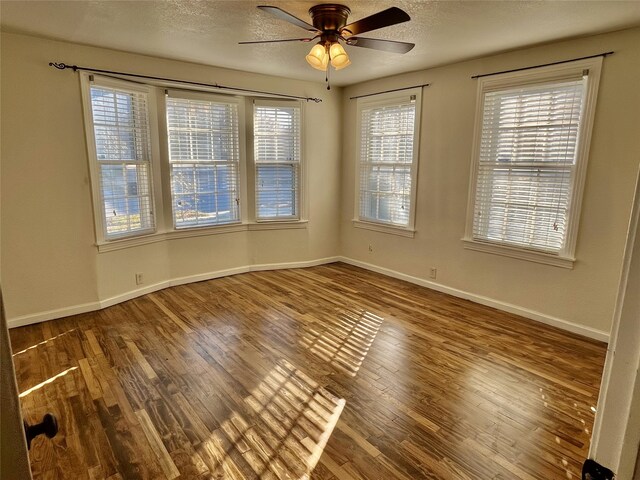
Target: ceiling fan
[[330, 26]]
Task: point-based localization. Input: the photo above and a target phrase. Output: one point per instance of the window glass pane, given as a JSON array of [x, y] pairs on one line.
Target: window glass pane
[[209, 192], [276, 192], [126, 197]]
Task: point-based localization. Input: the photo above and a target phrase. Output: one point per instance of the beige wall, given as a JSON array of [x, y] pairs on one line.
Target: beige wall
[[584, 296], [50, 260]]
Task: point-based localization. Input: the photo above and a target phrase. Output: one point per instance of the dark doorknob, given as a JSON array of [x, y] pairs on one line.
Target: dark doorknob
[[48, 426]]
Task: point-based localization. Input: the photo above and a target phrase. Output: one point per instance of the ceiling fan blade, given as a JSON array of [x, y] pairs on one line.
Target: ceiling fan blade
[[385, 18], [282, 15], [376, 44], [281, 40]]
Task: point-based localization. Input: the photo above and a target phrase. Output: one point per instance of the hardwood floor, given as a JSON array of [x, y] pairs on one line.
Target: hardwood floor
[[270, 374]]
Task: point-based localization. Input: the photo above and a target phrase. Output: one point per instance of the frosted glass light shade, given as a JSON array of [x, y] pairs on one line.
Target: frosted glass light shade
[[318, 57], [343, 65], [339, 58]]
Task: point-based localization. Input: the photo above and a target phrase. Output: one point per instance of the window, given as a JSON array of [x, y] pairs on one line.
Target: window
[[388, 150], [120, 140], [530, 158], [175, 165], [204, 159], [276, 134]]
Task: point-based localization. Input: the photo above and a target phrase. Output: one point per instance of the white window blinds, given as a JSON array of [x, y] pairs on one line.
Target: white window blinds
[[204, 158], [526, 165], [277, 161], [123, 154], [387, 162]]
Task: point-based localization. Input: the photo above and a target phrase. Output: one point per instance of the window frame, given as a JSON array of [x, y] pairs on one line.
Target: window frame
[[87, 80], [301, 170], [382, 100], [571, 70]]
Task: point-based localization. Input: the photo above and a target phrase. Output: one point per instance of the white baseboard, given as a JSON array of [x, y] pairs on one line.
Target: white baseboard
[[138, 292], [507, 307], [280, 266], [52, 314], [108, 302], [490, 302]]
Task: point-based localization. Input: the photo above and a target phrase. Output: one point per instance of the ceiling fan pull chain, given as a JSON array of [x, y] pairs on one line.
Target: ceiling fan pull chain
[[328, 74]]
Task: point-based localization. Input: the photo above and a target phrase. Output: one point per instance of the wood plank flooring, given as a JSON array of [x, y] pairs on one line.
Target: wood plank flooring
[[330, 372]]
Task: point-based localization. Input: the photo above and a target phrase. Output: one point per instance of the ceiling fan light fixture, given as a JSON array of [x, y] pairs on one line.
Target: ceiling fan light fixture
[[339, 58], [343, 65], [318, 57]]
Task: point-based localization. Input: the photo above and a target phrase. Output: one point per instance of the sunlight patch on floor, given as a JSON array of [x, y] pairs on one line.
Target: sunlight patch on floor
[[44, 342], [47, 381], [291, 421], [343, 341]]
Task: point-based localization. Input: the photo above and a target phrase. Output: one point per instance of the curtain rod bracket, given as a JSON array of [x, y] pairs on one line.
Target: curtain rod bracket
[[75, 68], [63, 66]]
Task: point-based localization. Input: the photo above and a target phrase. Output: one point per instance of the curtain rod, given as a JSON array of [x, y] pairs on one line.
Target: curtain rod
[[604, 54], [63, 66], [389, 91]]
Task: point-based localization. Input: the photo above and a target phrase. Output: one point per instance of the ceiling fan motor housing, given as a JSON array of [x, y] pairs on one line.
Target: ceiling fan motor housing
[[329, 18]]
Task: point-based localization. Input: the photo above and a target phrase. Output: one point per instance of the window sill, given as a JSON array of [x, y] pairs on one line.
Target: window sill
[[124, 243], [110, 245], [520, 253], [277, 224], [383, 228]]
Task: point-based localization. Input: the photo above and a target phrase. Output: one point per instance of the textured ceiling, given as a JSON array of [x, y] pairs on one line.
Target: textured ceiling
[[208, 32]]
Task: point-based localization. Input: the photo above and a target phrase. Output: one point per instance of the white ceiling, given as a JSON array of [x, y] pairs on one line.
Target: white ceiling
[[208, 32]]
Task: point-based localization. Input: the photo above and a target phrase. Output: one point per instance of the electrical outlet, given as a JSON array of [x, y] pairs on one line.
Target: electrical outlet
[[139, 279], [433, 271], [370, 248]]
